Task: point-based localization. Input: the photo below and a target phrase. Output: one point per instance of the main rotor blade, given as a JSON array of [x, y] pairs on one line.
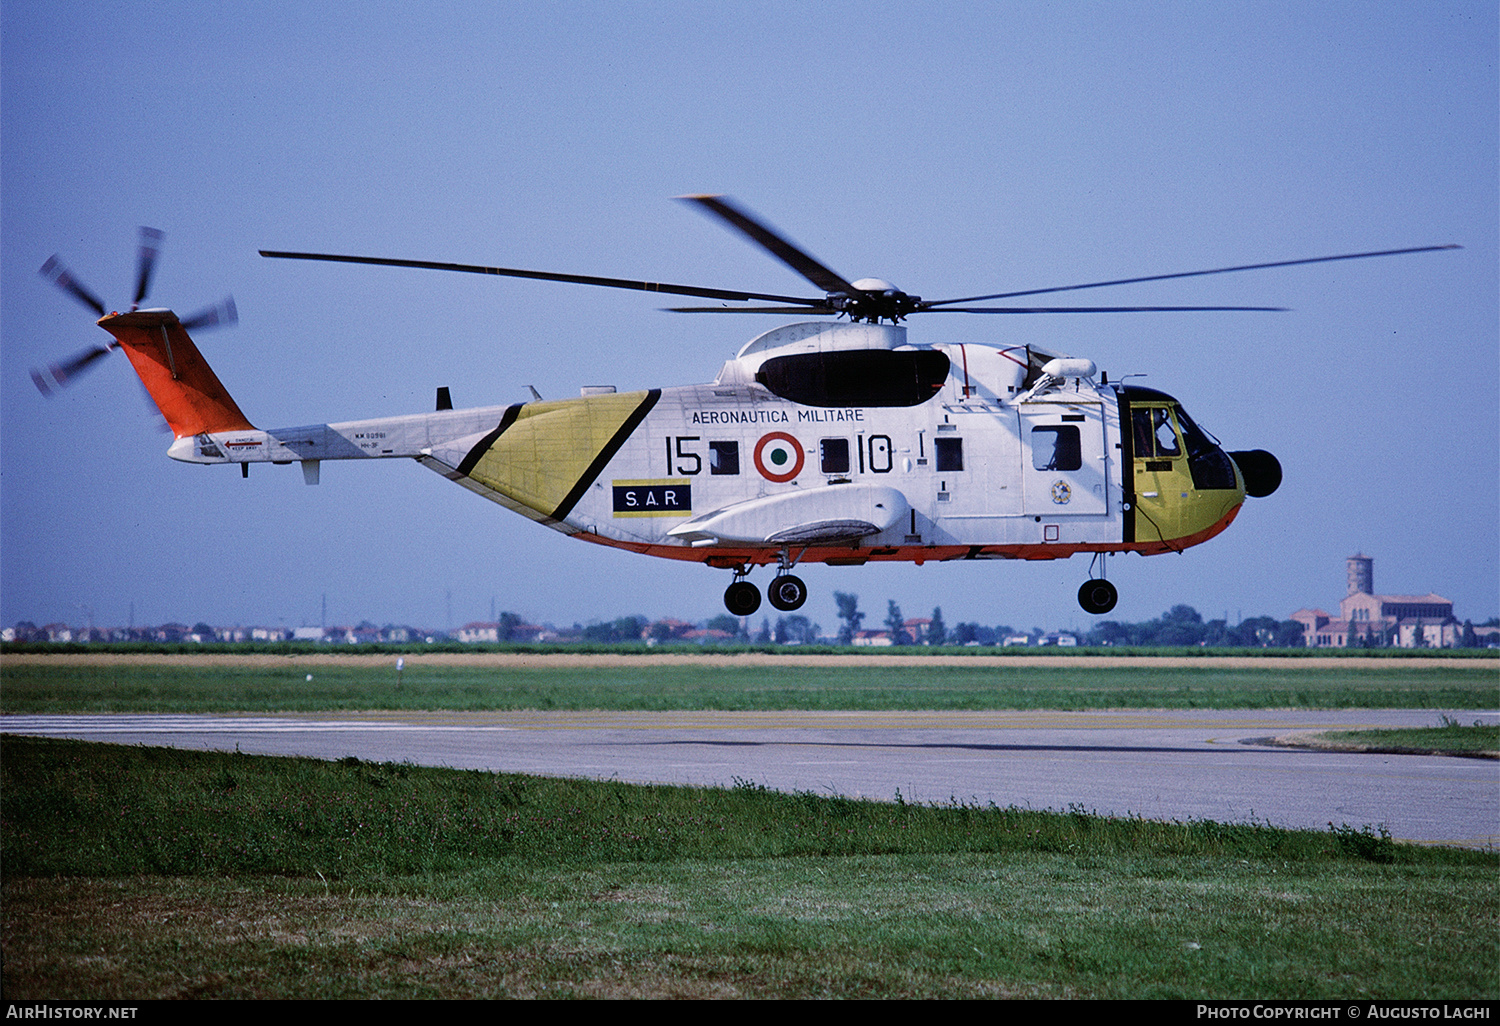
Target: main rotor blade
[[60, 277], [783, 250], [146, 262], [802, 310], [576, 279], [1187, 274], [1090, 309]]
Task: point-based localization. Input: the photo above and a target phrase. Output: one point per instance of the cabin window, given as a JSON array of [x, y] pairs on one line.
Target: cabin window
[[1056, 448], [723, 457], [834, 453], [856, 377], [949, 452]]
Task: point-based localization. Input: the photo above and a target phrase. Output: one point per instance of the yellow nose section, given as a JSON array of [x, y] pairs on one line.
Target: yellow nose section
[[550, 452], [1168, 507]]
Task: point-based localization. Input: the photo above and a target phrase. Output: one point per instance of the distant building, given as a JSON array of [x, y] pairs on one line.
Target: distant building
[[479, 631], [667, 630], [708, 636], [1369, 620], [492, 632]]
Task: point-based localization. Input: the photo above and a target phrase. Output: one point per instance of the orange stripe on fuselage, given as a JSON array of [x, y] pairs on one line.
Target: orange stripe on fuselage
[[734, 556]]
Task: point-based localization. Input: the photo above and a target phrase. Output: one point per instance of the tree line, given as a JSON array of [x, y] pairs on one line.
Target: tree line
[[1182, 625]]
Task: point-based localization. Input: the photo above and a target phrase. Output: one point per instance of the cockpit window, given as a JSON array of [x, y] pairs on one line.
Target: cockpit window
[[1155, 438]]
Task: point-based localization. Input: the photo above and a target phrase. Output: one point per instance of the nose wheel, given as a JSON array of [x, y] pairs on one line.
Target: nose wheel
[[1097, 597]]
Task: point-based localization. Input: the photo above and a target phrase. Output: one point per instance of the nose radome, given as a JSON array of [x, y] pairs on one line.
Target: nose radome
[[1261, 470]]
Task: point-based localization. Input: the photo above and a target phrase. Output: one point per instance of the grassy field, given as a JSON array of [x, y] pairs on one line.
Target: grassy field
[[1450, 737], [136, 873], [148, 873], [306, 683]]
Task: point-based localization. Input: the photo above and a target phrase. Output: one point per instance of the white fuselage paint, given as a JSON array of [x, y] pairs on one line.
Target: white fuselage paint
[[966, 461]]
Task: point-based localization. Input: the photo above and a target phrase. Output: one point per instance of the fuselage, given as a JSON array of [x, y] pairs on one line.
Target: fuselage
[[822, 442]]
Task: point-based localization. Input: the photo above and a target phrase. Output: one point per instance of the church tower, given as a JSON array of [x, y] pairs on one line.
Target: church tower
[[1361, 575]]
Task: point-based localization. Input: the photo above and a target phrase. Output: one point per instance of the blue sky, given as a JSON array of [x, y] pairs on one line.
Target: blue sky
[[954, 149]]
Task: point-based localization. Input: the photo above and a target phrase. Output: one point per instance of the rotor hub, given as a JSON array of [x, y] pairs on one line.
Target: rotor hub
[[876, 300]]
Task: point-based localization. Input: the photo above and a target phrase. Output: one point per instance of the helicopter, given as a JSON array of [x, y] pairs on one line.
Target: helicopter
[[835, 441]]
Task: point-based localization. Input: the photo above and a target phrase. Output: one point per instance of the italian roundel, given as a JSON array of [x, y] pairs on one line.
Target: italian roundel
[[778, 457]]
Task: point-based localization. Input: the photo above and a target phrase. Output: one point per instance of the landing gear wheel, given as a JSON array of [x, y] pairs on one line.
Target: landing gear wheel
[[787, 593], [742, 598], [1097, 597]]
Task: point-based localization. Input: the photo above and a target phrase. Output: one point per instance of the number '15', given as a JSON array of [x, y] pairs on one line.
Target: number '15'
[[676, 452]]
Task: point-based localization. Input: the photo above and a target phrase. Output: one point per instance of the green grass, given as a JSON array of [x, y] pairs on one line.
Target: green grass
[[168, 686], [146, 873], [1450, 737]]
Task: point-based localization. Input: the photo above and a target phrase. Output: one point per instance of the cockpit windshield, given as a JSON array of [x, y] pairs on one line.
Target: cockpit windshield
[[1209, 465], [1197, 439]]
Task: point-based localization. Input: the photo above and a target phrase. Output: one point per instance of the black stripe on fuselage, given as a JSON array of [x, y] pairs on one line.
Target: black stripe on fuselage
[[475, 454], [606, 454], [1127, 467]]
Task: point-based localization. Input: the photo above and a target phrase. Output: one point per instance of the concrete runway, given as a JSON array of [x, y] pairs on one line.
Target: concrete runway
[[1158, 764]]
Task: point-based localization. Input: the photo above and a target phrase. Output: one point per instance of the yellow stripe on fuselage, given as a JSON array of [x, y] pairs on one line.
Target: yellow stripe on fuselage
[[540, 458]]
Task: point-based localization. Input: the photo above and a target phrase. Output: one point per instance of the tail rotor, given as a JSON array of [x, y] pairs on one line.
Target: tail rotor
[[54, 377]]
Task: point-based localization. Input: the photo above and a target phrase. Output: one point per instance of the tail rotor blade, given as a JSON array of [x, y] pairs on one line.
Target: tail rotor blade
[[153, 412], [146, 263], [54, 270], [57, 376], [220, 315]]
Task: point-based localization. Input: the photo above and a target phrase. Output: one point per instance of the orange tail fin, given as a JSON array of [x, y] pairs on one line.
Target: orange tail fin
[[180, 381]]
